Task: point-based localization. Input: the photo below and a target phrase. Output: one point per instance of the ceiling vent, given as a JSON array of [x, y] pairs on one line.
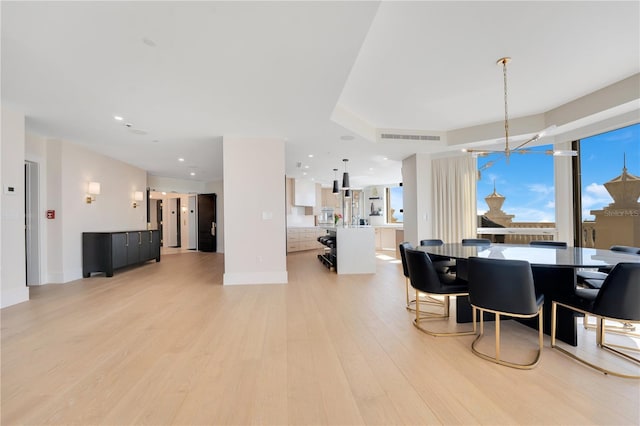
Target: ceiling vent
[[409, 137], [406, 135]]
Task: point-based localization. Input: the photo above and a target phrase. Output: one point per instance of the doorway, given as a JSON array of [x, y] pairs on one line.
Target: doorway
[[31, 223], [207, 240], [174, 234]]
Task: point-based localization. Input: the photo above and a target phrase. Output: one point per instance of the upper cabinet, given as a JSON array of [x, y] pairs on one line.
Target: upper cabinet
[[304, 193], [329, 199]]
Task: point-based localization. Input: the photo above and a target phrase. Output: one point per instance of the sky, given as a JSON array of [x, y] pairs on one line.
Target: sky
[[527, 180]]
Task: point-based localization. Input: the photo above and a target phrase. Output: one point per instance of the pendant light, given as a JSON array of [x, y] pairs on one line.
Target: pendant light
[[347, 193], [336, 190], [520, 149], [345, 175]]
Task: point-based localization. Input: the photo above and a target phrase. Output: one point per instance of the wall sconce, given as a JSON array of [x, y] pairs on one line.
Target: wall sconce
[[137, 196], [92, 191]]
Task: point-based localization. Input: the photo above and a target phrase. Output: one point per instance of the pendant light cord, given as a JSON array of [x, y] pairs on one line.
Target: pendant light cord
[[506, 110]]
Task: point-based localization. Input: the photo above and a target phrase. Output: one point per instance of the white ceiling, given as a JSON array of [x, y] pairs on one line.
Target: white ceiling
[[187, 74]]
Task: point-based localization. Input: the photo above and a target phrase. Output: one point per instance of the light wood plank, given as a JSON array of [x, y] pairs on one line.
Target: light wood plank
[[166, 343]]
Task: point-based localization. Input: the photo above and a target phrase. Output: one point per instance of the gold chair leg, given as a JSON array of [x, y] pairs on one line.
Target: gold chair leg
[[496, 359], [498, 337], [428, 300], [429, 316], [600, 342], [554, 307]]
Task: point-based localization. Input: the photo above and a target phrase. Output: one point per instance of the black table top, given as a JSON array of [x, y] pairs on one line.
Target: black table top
[[536, 255]]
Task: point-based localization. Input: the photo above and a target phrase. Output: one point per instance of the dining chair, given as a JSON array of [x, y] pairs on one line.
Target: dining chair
[[405, 270], [462, 268], [476, 242], [546, 243], [616, 300], [503, 287], [425, 279], [594, 279], [443, 264]]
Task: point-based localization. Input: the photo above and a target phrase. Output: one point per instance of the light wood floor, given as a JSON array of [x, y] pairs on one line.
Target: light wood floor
[[166, 343]]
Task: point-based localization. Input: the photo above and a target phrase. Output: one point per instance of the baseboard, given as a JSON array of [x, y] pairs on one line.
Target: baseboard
[[14, 296], [245, 278]]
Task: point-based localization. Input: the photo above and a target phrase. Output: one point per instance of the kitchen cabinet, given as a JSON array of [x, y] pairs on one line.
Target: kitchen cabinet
[[329, 199], [385, 238], [107, 251], [304, 193], [300, 239]]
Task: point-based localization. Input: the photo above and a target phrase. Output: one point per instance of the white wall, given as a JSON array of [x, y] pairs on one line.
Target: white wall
[[190, 236], [69, 168], [183, 186], [53, 234], [12, 258], [170, 218], [254, 211]]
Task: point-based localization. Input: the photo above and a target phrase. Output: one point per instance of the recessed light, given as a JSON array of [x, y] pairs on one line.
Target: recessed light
[[148, 42], [304, 173], [310, 155], [192, 173], [306, 167], [164, 193], [385, 158], [181, 159], [347, 137], [370, 169], [117, 117]]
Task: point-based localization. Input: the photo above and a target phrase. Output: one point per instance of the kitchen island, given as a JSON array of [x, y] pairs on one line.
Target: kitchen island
[[352, 250]]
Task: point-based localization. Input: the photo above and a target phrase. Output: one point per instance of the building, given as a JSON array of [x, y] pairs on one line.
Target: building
[[619, 222]]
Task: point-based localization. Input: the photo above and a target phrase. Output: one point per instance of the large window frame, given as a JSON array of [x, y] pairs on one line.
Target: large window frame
[[587, 235]]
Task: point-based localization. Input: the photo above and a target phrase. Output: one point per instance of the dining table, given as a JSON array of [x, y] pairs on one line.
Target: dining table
[[553, 269]]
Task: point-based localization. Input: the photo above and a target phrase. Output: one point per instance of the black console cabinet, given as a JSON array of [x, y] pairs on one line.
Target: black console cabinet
[[106, 251]]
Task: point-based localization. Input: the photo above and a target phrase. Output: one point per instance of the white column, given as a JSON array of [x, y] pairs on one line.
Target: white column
[[564, 195], [12, 258], [417, 191], [254, 211]]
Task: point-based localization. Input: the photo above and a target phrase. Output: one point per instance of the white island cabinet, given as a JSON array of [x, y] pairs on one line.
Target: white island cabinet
[[356, 250]]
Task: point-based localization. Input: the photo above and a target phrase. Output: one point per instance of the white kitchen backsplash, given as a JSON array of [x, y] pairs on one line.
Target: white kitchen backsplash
[[300, 220]]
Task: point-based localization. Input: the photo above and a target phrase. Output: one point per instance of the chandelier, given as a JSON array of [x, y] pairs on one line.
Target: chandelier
[[519, 149]]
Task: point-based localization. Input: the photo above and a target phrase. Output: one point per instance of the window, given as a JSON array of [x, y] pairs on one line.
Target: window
[[516, 193], [394, 204], [608, 178]]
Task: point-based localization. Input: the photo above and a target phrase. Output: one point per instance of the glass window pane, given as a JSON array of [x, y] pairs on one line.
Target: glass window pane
[[394, 204], [516, 192], [610, 185]]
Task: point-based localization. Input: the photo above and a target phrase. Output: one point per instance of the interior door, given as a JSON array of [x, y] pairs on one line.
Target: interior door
[[32, 225], [207, 240]]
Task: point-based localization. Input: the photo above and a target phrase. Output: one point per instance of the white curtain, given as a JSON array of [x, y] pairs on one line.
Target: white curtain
[[454, 198]]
